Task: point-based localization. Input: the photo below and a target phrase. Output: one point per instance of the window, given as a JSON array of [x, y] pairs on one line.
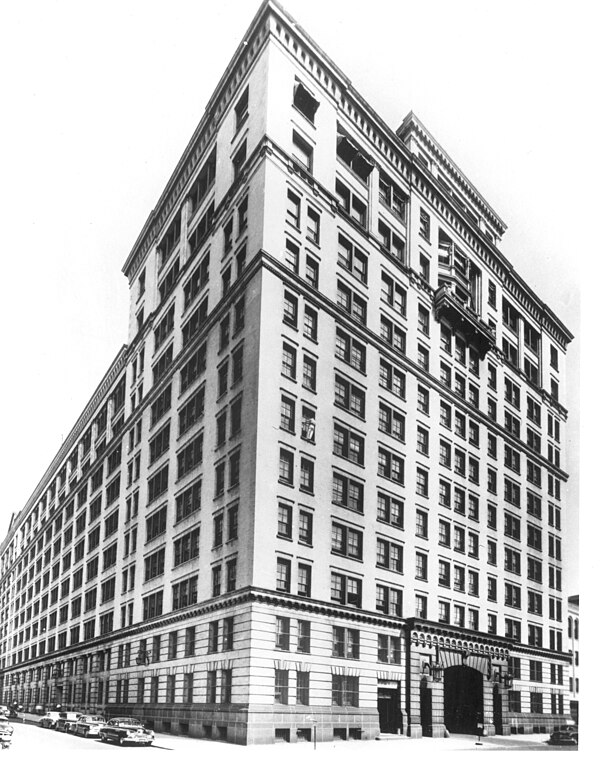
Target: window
[[304, 579], [307, 471], [313, 226], [346, 541], [186, 547], [346, 643], [392, 379], [346, 590], [286, 467], [344, 691], [154, 564], [391, 196], [349, 396], [190, 456], [424, 224], [422, 482], [239, 160], [351, 204], [351, 303], [193, 368], [423, 399], [310, 323], [389, 555], [309, 373], [290, 309], [391, 242], [390, 465], [282, 633], [241, 110], [185, 593], [421, 565], [350, 351], [312, 272], [390, 510], [353, 156], [288, 361], [302, 152], [512, 560], [293, 209], [352, 259], [188, 502], [283, 580], [444, 573], [305, 102]]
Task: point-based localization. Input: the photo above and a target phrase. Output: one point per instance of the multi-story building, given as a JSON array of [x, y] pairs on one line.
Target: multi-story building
[[573, 635], [322, 481]]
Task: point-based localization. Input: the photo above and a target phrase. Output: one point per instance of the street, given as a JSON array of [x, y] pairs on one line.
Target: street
[[34, 746]]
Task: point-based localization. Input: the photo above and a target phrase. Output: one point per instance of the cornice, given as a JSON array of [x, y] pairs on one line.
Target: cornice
[[243, 597], [443, 637], [412, 123], [196, 150], [273, 22]]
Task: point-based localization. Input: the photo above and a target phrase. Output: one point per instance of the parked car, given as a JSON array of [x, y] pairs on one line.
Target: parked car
[[124, 730], [6, 732], [65, 719], [566, 734], [66, 723], [88, 725], [50, 719]]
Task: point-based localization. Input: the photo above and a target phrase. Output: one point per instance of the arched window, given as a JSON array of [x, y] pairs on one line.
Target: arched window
[[570, 627], [576, 629]]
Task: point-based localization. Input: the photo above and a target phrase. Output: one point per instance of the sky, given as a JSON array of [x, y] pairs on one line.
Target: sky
[[100, 99]]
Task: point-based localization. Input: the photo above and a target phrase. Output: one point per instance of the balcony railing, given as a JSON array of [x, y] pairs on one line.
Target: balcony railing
[[477, 332]]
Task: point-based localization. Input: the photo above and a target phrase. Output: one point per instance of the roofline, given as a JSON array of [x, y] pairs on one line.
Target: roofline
[[273, 6], [412, 118], [116, 366]]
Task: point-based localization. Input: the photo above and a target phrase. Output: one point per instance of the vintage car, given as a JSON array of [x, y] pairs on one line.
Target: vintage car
[[6, 732], [49, 720], [126, 730], [65, 719], [566, 734], [88, 725]]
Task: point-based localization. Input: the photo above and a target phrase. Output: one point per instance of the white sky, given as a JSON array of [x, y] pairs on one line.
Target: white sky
[[100, 99]]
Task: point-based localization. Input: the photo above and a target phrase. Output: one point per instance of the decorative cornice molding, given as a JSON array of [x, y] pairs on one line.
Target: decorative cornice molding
[[411, 123]]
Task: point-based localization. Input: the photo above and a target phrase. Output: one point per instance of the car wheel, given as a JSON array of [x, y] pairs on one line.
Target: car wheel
[[103, 738], [121, 741]]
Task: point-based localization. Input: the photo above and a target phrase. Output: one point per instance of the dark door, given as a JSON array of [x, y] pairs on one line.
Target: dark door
[[497, 710], [389, 710], [426, 718], [463, 699]]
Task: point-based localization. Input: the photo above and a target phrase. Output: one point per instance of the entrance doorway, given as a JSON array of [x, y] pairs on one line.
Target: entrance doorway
[[497, 699], [426, 708], [388, 706], [463, 699]]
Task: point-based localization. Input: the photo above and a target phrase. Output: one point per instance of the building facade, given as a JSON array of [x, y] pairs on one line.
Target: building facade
[[573, 639], [322, 483]]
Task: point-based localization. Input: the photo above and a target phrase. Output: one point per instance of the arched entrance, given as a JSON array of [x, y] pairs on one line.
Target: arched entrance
[[463, 699], [497, 700]]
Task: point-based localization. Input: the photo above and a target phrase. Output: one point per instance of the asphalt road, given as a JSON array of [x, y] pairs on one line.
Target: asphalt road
[[35, 746]]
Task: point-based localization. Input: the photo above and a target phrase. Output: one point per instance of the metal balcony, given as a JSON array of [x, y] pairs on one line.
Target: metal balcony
[[462, 318]]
